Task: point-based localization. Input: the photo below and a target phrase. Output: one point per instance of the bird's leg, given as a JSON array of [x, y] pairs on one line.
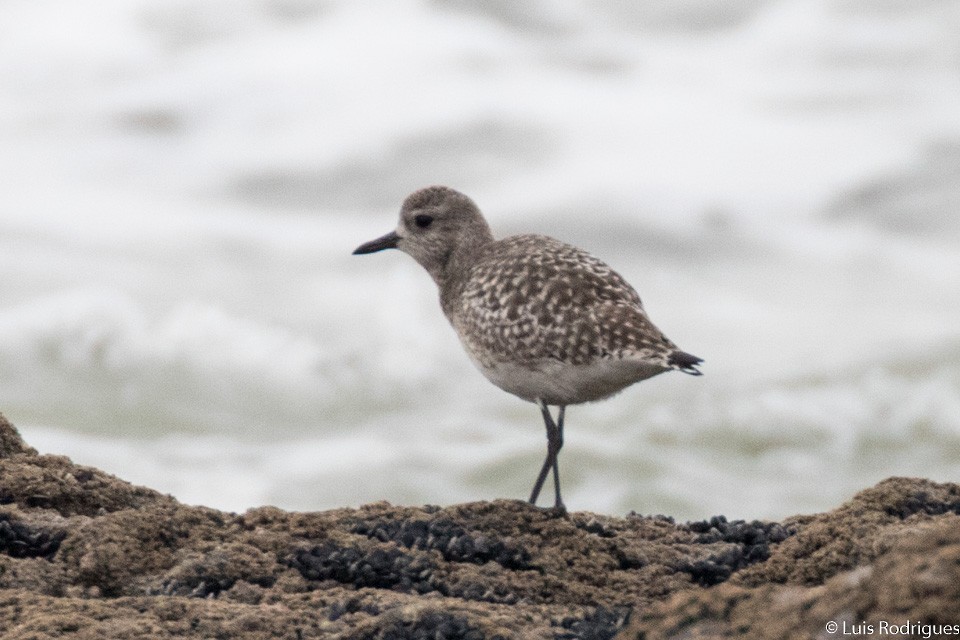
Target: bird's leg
[[547, 462], [554, 443], [558, 444]]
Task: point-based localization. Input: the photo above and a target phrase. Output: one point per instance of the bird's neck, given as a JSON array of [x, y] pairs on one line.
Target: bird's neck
[[451, 273]]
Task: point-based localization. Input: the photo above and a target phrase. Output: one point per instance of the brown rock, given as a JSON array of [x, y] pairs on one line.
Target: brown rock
[[84, 554], [915, 581], [11, 443]]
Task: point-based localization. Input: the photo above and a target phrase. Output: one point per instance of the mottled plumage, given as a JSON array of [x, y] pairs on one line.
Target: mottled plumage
[[532, 301], [541, 319]]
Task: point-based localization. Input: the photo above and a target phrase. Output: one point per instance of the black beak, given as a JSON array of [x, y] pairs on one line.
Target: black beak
[[388, 241]]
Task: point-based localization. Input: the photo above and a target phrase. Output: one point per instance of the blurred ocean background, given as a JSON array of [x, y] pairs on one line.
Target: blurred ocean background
[[182, 183]]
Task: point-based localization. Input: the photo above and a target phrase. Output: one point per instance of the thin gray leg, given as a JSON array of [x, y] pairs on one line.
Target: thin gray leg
[[547, 462], [554, 444], [558, 502]]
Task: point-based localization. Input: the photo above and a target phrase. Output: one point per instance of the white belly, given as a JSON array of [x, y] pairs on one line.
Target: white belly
[[559, 383]]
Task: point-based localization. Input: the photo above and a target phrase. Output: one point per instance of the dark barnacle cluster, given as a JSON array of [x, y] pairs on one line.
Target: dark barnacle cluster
[[750, 543], [20, 540], [454, 543], [383, 568]]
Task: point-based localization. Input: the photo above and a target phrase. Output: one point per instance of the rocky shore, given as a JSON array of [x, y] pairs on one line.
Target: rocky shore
[[84, 554]]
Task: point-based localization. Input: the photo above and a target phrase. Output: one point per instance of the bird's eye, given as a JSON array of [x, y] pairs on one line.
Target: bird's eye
[[423, 221]]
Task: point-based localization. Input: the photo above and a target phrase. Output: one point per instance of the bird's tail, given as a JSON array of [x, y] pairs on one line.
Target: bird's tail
[[685, 362]]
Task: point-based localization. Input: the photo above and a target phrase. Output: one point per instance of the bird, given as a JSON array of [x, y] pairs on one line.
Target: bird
[[540, 318]]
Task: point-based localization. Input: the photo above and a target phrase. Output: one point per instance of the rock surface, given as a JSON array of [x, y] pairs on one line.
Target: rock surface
[[84, 554]]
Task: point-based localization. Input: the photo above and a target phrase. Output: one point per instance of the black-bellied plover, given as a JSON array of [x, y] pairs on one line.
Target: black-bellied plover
[[541, 319]]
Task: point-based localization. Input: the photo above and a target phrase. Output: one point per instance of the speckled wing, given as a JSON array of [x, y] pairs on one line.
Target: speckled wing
[[532, 298]]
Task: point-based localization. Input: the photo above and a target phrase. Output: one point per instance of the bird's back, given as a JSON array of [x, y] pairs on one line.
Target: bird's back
[[533, 303]]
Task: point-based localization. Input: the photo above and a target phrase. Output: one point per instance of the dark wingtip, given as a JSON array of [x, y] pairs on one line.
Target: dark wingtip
[[685, 362]]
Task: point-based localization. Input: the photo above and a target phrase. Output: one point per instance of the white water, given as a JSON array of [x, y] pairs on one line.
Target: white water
[[181, 185]]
